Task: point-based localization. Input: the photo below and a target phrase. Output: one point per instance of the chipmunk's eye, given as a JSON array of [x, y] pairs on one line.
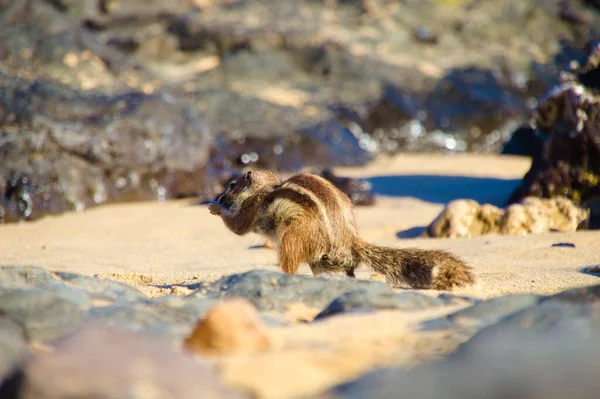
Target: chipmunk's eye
[[232, 184]]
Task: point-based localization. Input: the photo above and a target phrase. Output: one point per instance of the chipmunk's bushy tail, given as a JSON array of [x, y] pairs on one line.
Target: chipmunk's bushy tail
[[415, 268]]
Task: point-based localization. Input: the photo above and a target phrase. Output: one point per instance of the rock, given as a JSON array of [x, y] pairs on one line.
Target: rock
[[168, 317], [535, 369], [90, 153], [13, 347], [485, 313], [50, 304], [185, 311], [88, 84], [231, 327], [535, 215], [566, 159], [593, 269], [358, 190], [103, 363], [574, 312], [45, 314], [22, 276], [531, 353], [136, 316], [581, 295], [102, 291], [467, 218], [286, 149], [372, 299], [469, 109], [182, 309], [269, 290]]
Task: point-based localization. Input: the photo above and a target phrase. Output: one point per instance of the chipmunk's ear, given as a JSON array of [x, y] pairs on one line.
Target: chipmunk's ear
[[248, 176]]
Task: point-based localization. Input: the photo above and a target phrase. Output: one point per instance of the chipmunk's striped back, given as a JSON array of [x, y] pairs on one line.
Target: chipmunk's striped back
[[310, 203], [310, 220]]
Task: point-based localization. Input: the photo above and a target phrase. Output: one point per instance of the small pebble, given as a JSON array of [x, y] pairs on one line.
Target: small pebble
[[564, 244], [593, 269], [424, 35]]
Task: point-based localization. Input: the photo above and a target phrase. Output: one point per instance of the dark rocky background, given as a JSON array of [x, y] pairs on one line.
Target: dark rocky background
[[104, 100]]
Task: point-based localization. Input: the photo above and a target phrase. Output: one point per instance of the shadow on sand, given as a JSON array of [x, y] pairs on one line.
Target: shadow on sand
[[443, 189]]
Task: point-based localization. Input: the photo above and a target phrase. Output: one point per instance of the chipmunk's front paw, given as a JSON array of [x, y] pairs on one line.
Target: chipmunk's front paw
[[214, 208]]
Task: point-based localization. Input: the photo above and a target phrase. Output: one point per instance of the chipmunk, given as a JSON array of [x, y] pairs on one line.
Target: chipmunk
[[312, 221]]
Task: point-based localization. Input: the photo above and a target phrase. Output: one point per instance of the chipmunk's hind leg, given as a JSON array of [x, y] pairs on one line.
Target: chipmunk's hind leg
[[292, 252]]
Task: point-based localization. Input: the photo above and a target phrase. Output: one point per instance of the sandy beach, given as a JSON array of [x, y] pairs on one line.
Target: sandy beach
[[154, 245], [179, 241]]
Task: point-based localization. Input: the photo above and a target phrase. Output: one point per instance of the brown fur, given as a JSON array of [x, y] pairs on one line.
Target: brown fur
[[312, 221]]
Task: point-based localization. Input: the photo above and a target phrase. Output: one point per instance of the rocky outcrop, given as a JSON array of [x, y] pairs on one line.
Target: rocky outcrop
[[467, 218], [109, 101], [565, 141]]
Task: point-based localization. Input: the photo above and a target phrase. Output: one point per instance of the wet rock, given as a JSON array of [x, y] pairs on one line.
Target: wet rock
[[91, 153], [268, 290], [358, 190], [468, 110], [370, 300], [284, 148], [231, 327], [44, 314], [566, 162], [467, 218], [524, 142], [104, 363], [13, 347], [88, 84]]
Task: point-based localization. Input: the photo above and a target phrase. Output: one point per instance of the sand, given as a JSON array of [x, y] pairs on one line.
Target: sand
[[154, 245], [177, 241]]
